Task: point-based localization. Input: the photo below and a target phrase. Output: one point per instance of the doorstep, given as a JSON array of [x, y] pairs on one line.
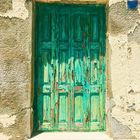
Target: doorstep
[[71, 136]]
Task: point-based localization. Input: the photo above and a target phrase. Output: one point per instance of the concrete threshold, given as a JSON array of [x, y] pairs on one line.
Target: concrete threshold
[[71, 136]]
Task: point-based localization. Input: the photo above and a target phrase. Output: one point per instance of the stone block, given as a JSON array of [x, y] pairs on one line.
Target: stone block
[[12, 70], [75, 1], [14, 97]]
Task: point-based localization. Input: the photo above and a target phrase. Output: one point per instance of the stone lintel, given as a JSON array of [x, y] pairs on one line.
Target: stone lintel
[[74, 1]]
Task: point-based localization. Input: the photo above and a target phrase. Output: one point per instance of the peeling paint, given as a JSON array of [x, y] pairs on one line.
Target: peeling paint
[[18, 10], [131, 31]]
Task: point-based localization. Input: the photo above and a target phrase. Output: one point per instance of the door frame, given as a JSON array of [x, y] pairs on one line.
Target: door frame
[[107, 84]]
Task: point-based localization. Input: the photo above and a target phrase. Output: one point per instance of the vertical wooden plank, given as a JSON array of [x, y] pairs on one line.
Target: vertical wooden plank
[[63, 26], [78, 107], [40, 110], [46, 27], [95, 107], [39, 65], [39, 94], [102, 65], [94, 28], [78, 28], [46, 108], [63, 81], [52, 69], [56, 80], [72, 76], [63, 108], [68, 71]]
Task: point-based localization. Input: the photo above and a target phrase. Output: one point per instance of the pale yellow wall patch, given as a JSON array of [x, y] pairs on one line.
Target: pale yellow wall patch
[[7, 120], [4, 137], [18, 10]]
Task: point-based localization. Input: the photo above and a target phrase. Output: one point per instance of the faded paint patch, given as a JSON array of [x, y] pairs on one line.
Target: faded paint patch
[[18, 10], [7, 120], [4, 137]]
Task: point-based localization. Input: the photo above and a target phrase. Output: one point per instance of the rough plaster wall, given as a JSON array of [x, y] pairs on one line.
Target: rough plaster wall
[[15, 69], [124, 41]]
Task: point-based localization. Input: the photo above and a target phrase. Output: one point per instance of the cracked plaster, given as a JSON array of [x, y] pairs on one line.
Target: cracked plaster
[[123, 39]]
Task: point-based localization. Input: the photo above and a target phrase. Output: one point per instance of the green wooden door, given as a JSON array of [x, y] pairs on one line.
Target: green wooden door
[[70, 56]]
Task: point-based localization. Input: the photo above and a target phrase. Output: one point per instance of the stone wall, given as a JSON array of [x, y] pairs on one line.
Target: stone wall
[[123, 73], [15, 69]]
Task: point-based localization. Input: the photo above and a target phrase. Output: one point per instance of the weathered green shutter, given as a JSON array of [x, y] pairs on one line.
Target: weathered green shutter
[[70, 67]]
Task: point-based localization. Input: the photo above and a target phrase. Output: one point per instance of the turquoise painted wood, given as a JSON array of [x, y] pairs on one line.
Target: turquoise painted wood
[[70, 56]]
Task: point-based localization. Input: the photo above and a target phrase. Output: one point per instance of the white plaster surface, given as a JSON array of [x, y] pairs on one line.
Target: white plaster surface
[[6, 120], [115, 1], [18, 10], [4, 137], [125, 77], [72, 136]]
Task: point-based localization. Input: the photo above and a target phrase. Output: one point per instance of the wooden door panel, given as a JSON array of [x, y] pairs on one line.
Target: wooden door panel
[[95, 107], [71, 68], [46, 28], [78, 67], [78, 109], [63, 111], [94, 66], [47, 108], [93, 29], [63, 28], [63, 66], [78, 28]]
